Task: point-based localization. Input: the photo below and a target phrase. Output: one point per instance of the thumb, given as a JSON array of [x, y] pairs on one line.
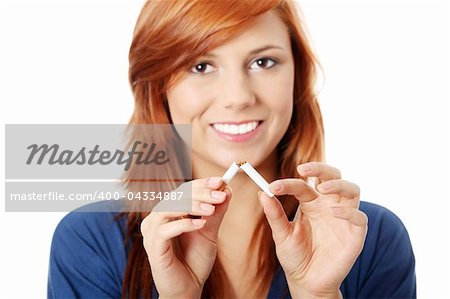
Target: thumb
[[276, 217]]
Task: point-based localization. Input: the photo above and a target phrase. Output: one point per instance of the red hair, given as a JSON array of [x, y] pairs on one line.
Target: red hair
[[169, 36]]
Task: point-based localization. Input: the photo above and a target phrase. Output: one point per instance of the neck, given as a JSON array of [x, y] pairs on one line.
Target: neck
[[235, 251]]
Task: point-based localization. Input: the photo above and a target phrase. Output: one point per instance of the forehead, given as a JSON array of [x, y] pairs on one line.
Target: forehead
[[266, 29]]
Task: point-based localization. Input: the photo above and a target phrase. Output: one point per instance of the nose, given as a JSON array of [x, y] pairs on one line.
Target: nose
[[236, 92]]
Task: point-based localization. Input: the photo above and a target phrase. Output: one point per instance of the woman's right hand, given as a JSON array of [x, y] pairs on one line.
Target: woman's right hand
[[185, 276]]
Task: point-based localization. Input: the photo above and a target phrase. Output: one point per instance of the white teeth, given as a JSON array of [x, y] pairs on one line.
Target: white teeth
[[243, 129], [236, 129]]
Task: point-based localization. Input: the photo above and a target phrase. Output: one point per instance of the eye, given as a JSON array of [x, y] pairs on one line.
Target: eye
[[264, 63], [202, 68]]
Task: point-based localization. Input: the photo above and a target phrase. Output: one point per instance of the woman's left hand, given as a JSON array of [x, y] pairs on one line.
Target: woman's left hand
[[319, 247]]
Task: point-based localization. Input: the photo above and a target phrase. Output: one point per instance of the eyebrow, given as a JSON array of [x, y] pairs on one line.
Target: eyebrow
[[253, 52]]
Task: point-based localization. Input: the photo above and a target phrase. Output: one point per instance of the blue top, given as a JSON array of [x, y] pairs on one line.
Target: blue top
[[88, 257]]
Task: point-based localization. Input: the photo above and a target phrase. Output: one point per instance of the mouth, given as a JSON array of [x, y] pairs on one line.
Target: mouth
[[240, 128], [237, 131]]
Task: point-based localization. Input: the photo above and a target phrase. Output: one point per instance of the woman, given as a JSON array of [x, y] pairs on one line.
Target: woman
[[241, 74]]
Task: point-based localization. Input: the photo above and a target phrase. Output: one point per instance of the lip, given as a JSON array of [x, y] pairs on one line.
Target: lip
[[238, 138]]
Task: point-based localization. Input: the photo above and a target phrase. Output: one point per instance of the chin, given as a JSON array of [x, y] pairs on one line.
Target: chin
[[229, 158]]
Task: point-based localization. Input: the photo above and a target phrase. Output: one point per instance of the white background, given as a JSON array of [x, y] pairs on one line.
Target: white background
[[384, 92]]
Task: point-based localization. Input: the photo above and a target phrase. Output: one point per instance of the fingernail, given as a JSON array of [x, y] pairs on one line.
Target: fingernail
[[198, 221], [276, 186], [325, 185], [219, 195], [206, 207], [212, 182], [305, 168]]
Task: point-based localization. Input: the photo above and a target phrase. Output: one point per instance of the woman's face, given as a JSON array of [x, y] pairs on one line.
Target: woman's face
[[239, 97]]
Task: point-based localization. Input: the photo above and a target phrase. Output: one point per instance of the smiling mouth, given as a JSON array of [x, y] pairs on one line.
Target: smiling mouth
[[236, 128]]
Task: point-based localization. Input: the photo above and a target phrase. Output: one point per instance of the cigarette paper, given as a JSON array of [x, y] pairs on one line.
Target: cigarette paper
[[257, 178], [230, 173]]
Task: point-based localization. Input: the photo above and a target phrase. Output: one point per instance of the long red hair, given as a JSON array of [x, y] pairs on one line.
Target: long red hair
[[169, 36]]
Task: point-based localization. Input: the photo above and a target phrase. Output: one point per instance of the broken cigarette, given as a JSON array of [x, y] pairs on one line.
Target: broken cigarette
[[256, 177], [228, 175], [226, 178]]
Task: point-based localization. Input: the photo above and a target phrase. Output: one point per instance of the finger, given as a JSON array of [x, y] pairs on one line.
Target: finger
[[340, 187], [320, 170], [212, 183], [205, 201], [353, 215], [175, 228], [297, 187], [208, 195], [276, 217], [167, 231], [155, 219], [200, 208]]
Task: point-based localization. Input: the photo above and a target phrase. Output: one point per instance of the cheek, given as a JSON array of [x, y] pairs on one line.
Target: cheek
[[186, 103], [278, 94]]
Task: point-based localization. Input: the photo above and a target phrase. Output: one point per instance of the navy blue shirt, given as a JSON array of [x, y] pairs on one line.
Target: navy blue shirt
[[88, 258]]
